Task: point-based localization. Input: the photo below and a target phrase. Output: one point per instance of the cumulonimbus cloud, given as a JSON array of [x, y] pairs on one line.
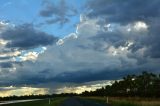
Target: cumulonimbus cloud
[[113, 39]]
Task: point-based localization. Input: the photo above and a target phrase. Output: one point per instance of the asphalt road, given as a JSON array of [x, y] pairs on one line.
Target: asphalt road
[[80, 102], [17, 101]]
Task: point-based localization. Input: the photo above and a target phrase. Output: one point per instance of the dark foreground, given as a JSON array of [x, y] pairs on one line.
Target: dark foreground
[[80, 102], [89, 101], [62, 101]]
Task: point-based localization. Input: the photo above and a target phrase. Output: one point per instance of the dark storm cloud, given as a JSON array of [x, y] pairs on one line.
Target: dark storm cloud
[[59, 13], [31, 78], [114, 38], [4, 58], [6, 65], [100, 54], [9, 64], [26, 37], [71, 77], [124, 11], [87, 76], [153, 40], [127, 12]]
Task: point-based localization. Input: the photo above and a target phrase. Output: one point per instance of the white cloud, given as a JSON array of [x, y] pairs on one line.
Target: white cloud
[[3, 42], [83, 18], [42, 50], [140, 26], [32, 56], [60, 42], [21, 91], [121, 50], [3, 24], [15, 53], [89, 27], [66, 38]]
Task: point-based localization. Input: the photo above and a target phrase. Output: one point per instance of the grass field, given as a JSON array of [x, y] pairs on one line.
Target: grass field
[[118, 101], [53, 102], [113, 101]]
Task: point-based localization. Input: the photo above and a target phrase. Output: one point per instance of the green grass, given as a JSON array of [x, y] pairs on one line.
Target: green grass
[[54, 102], [120, 101], [135, 101], [114, 101], [123, 103], [96, 99]]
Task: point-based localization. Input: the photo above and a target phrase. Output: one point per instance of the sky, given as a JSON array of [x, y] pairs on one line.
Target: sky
[[55, 46]]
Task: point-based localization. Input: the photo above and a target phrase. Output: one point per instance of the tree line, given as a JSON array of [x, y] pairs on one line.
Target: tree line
[[144, 85]]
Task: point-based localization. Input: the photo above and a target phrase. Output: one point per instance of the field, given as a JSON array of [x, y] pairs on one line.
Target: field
[[112, 101], [53, 102], [118, 101]]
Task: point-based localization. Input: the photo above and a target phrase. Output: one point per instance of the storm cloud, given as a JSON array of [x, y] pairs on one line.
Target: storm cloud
[[124, 11], [6, 65], [26, 37], [59, 13], [113, 39], [18, 41], [92, 53]]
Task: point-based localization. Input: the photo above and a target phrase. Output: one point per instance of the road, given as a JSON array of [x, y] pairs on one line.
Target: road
[[80, 102], [17, 101]]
